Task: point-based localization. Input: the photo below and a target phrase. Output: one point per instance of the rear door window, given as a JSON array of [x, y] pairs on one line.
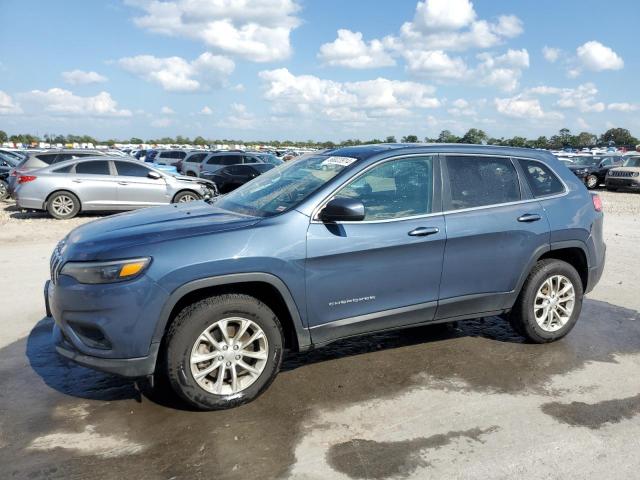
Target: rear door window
[[65, 169], [542, 181], [477, 181], [99, 167], [197, 158]]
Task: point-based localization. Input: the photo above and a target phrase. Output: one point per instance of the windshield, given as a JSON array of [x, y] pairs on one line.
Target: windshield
[[586, 161], [284, 187], [271, 159], [632, 162]]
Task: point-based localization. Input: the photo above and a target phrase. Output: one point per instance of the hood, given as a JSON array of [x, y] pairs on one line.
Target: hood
[[625, 169], [573, 168], [100, 239]]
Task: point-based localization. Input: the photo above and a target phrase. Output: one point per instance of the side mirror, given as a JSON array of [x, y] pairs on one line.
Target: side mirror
[[343, 210], [154, 175]]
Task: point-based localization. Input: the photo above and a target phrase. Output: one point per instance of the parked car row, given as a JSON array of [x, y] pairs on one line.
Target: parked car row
[[613, 170], [103, 183]]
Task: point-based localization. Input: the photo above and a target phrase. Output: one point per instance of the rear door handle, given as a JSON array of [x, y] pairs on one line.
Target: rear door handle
[[529, 217], [76, 181], [123, 183], [424, 231]]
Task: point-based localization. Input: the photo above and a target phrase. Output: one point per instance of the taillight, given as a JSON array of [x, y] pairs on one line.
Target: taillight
[[26, 178], [597, 202]]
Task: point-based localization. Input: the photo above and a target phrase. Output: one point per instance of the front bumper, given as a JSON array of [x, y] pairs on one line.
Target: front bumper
[[622, 182], [125, 367], [108, 327]]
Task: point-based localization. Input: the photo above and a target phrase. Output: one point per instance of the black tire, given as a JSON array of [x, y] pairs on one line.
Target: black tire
[[4, 190], [190, 174], [183, 195], [592, 182], [66, 197], [190, 324], [522, 315]]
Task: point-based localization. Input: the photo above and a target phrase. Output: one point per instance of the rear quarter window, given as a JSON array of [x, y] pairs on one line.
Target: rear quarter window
[[541, 179], [47, 158]]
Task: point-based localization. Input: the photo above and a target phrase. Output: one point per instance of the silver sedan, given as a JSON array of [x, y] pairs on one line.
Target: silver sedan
[[104, 183]]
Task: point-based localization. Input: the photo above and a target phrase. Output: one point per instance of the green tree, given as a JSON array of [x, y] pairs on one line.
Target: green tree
[[474, 135], [410, 139], [3, 136], [517, 142], [619, 136], [586, 139], [540, 142], [199, 141], [564, 135], [135, 141], [390, 139], [447, 137]]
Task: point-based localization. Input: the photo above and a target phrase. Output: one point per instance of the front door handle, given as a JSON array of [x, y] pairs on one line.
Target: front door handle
[[76, 181], [529, 217], [123, 183], [424, 231]]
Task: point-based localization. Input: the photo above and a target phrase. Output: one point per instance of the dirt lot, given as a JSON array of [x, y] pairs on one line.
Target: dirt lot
[[470, 401]]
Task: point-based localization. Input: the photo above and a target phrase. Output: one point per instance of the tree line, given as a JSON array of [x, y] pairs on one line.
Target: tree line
[[563, 139]]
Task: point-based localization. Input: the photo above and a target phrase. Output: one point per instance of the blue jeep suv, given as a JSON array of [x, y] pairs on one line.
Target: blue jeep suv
[[208, 295]]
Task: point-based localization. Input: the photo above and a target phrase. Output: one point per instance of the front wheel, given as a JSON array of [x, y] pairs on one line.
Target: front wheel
[[550, 302], [592, 182], [186, 196], [223, 351]]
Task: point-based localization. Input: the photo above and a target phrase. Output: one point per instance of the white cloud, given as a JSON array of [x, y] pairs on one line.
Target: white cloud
[[623, 107], [551, 54], [206, 111], [175, 74], [522, 107], [501, 71], [597, 57], [63, 102], [161, 122], [80, 77], [239, 118], [7, 105], [583, 124], [435, 63], [257, 30], [349, 50], [461, 108], [167, 111], [443, 15], [582, 98], [341, 101]]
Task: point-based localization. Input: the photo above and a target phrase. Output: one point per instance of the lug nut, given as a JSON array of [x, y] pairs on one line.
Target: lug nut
[[225, 348], [236, 347], [237, 357], [228, 364], [220, 357]]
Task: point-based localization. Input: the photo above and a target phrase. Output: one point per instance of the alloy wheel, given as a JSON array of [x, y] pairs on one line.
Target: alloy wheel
[[554, 302], [592, 181], [187, 198], [229, 356], [62, 205]]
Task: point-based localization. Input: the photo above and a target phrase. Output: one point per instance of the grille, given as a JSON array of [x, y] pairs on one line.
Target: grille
[[55, 265], [621, 173]]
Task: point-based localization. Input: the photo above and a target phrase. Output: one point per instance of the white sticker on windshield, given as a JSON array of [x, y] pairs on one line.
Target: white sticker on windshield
[[342, 161]]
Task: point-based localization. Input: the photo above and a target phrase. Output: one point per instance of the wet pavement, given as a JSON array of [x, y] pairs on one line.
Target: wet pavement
[[429, 402]]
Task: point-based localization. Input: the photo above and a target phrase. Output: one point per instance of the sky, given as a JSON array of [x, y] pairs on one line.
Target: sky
[[317, 69]]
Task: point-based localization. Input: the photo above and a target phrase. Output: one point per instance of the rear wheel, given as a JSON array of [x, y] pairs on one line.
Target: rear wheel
[[63, 205], [4, 190], [592, 182], [186, 196], [550, 302], [190, 174], [223, 351]]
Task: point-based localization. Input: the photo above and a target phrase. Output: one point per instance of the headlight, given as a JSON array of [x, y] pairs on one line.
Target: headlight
[[106, 272], [582, 171]]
